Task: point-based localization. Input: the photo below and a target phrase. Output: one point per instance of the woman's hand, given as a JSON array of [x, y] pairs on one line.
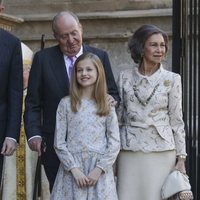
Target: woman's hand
[[80, 178], [180, 165], [94, 175]]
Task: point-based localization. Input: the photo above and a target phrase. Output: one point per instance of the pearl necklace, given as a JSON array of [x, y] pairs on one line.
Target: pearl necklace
[[144, 102]]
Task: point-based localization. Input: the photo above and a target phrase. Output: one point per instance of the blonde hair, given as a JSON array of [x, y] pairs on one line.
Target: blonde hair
[[100, 88]]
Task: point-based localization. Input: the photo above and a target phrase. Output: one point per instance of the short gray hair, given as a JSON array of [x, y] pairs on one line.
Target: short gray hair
[[63, 13], [138, 39]]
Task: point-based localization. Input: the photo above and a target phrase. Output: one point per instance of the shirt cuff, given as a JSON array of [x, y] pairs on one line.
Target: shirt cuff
[[36, 136], [10, 138]]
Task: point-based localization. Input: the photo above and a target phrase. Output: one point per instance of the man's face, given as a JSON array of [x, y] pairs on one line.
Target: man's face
[[68, 33]]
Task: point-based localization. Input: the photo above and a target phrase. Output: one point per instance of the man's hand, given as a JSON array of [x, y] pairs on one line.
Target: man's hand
[[111, 101], [94, 175], [80, 178], [35, 144], [9, 147]]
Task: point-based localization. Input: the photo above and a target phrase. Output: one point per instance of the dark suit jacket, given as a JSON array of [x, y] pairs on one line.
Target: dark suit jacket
[[48, 83], [11, 85]]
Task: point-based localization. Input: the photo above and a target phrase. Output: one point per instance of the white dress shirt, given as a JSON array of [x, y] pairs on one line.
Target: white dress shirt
[[68, 61]]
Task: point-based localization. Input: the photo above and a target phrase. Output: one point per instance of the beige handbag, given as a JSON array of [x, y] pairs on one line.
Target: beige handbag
[[176, 186]]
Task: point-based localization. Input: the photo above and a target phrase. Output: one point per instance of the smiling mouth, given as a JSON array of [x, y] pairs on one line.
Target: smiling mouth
[[157, 55], [85, 79]]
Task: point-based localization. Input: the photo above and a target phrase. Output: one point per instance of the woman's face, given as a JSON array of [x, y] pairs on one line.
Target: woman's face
[[154, 49]]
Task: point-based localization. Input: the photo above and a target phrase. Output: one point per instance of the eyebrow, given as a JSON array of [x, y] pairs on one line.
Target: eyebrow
[[157, 42]]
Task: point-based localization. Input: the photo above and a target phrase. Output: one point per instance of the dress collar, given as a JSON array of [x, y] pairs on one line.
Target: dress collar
[[152, 79]]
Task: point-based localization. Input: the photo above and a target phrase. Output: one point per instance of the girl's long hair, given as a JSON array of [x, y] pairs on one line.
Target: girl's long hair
[[100, 87]]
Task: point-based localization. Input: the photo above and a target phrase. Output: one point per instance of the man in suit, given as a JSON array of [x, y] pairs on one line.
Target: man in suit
[[11, 93], [49, 82]]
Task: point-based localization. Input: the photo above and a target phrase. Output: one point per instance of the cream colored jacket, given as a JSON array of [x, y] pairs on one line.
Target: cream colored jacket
[[150, 112]]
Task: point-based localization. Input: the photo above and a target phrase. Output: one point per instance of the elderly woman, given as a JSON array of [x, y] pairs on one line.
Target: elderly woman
[[150, 117]]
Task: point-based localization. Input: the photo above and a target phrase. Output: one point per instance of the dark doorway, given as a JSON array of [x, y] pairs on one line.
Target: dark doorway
[[185, 60]]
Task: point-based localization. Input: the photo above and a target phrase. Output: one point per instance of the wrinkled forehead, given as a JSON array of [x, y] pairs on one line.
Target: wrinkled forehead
[[66, 18], [155, 36]]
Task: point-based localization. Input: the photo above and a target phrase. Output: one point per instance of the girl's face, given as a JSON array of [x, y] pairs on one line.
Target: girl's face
[[86, 73], [154, 49]]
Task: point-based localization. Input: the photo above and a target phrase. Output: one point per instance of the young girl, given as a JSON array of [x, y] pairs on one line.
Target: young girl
[[86, 136]]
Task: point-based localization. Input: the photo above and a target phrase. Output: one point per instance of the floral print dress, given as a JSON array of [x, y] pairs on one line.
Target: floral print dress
[[85, 140]]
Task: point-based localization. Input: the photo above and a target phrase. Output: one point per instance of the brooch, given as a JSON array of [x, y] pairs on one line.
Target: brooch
[[166, 83]]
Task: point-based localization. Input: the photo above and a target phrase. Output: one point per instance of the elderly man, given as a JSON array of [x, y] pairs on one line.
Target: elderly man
[[49, 82]]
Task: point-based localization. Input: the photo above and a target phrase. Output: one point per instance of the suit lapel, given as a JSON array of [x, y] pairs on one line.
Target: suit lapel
[[59, 70], [86, 48]]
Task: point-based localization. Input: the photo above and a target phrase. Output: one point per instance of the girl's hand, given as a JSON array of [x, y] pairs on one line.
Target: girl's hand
[[180, 165], [80, 178], [94, 175]]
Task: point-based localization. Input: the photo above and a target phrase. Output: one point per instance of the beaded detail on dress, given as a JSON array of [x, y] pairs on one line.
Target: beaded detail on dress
[[144, 102]]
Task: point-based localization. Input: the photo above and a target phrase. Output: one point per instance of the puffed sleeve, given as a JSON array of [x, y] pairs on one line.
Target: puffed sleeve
[[176, 116], [60, 138], [113, 142]]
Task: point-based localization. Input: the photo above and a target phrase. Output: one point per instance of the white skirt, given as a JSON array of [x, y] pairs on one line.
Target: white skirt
[[140, 176]]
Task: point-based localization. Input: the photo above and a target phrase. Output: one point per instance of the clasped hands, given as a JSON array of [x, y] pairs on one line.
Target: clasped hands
[[82, 180]]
